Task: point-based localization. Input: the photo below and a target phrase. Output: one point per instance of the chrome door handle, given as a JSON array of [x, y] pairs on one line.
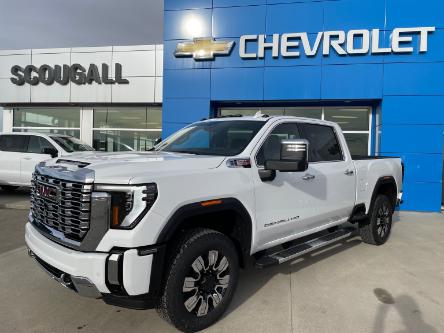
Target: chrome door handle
[[27, 158], [349, 172], [309, 177]]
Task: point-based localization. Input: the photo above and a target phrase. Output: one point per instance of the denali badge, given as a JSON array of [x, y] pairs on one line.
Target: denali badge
[[203, 48]]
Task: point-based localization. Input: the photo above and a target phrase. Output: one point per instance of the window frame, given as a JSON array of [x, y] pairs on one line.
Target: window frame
[[337, 139]]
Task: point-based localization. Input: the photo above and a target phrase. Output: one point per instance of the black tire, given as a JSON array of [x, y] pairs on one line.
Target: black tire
[[9, 188], [376, 230], [204, 265]]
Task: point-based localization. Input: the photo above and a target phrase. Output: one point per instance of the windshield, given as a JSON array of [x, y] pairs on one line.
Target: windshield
[[70, 144], [221, 138]]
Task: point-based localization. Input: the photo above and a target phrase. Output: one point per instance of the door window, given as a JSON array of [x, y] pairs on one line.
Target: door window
[[37, 145], [13, 143], [323, 143], [271, 148]]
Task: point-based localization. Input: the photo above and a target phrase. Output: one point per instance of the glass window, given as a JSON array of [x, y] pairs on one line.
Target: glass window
[[128, 118], [315, 113], [354, 121], [221, 138], [271, 148], [349, 119], [13, 143], [323, 143], [37, 144], [47, 117], [357, 143], [115, 140]]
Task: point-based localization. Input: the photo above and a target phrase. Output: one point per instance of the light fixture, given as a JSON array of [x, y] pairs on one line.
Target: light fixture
[[193, 26]]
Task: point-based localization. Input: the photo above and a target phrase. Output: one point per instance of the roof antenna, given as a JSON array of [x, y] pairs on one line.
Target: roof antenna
[[258, 114]]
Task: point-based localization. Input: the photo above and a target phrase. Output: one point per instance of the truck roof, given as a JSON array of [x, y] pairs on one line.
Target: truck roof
[[265, 118]]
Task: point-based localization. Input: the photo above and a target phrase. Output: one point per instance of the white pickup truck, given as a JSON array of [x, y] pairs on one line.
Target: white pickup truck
[[171, 228]]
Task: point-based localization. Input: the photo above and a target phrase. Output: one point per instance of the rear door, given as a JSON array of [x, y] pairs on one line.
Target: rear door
[[333, 173], [12, 148], [33, 156]]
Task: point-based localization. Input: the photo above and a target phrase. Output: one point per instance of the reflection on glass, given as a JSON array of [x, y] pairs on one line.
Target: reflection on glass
[[137, 118], [47, 117], [350, 119], [73, 133], [315, 113], [115, 140], [357, 143]]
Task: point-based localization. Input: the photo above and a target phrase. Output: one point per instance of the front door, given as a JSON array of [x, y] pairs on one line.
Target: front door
[[33, 156], [12, 148], [298, 203]]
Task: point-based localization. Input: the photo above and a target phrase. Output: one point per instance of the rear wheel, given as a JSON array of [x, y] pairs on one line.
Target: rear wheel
[[9, 188], [376, 230], [201, 280]]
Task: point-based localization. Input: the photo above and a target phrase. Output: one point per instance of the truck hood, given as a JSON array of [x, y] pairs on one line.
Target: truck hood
[[122, 168]]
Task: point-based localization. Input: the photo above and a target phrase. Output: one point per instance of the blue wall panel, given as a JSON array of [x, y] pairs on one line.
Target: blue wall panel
[[182, 24], [407, 89], [186, 83], [292, 83], [412, 139], [420, 196], [237, 83], [189, 4], [413, 110], [295, 17], [414, 79], [354, 14], [362, 81], [414, 13], [238, 21]]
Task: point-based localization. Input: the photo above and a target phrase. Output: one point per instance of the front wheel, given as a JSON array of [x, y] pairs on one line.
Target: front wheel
[[201, 280], [376, 230]]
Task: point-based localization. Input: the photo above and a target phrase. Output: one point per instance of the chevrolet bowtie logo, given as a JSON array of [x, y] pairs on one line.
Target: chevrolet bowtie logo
[[203, 48]]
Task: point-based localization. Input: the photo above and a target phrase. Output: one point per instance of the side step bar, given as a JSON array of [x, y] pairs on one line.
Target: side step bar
[[298, 250]]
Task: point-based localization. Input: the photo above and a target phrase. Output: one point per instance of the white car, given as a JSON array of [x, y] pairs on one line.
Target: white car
[[171, 228], [21, 152]]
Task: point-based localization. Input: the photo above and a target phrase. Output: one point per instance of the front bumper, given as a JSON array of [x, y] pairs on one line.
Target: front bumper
[[93, 274]]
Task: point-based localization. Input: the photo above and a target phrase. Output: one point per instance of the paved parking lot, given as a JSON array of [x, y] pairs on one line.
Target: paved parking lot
[[349, 287]]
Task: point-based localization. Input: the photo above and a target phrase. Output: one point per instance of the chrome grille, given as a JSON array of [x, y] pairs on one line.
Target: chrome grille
[[61, 205]]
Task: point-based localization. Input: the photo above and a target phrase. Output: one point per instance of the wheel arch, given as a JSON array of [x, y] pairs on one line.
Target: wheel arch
[[384, 185], [227, 215]]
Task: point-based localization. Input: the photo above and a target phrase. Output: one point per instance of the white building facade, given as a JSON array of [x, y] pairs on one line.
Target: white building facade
[[110, 97]]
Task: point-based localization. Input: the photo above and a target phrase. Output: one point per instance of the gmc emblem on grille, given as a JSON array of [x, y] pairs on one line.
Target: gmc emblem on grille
[[47, 192]]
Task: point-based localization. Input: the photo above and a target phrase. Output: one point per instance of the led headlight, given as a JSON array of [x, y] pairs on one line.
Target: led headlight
[[129, 203]]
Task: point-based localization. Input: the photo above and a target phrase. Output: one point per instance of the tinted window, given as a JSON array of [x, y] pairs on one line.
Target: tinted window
[[13, 143], [37, 144], [324, 145], [271, 148], [222, 138]]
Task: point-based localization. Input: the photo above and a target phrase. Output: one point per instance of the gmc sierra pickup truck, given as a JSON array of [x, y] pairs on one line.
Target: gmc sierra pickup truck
[[170, 228]]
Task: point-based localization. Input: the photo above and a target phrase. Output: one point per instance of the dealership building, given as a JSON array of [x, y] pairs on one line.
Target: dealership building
[[375, 67]]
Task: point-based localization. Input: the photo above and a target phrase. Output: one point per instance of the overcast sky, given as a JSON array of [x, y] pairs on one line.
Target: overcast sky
[[26, 24]]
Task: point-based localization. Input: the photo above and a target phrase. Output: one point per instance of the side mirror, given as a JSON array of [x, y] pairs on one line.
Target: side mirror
[[51, 151], [294, 157], [157, 141]]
